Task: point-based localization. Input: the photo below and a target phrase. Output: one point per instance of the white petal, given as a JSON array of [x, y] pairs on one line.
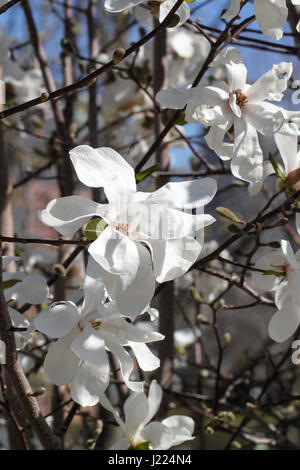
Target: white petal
[[264, 117], [287, 146], [94, 289], [158, 435], [247, 159], [268, 170], [173, 258], [136, 411], [237, 75], [271, 16], [182, 428], [103, 167], [69, 214], [17, 319], [61, 363], [121, 444], [88, 381], [126, 365], [33, 289], [112, 250], [90, 346], [284, 322], [233, 10], [176, 98], [57, 320], [154, 399], [186, 194], [288, 252], [145, 358], [114, 6], [272, 84], [183, 11], [134, 288]]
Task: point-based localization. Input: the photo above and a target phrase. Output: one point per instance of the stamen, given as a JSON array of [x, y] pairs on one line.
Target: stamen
[[241, 99]]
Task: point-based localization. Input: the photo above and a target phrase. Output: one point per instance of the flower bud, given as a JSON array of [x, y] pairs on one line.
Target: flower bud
[[118, 55]]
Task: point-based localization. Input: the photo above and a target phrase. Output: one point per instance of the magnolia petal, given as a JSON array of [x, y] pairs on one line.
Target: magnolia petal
[[126, 365], [103, 167], [284, 322], [136, 411], [145, 358], [175, 98], [173, 258], [288, 146], [264, 117], [90, 346], [185, 194], [121, 444], [112, 250], [114, 6], [247, 159], [255, 187], [183, 11], [233, 10], [154, 400], [158, 435], [88, 381], [69, 214], [237, 75], [288, 252], [94, 289], [57, 320], [132, 290], [182, 428], [271, 16], [61, 363], [272, 84], [33, 289]]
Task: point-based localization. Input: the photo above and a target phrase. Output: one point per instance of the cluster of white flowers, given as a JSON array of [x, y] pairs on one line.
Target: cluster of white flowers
[[142, 238], [145, 238]]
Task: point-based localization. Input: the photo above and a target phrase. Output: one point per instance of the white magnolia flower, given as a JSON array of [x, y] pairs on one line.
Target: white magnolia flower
[[143, 434], [236, 104], [115, 6], [146, 238], [85, 334], [270, 14], [282, 276]]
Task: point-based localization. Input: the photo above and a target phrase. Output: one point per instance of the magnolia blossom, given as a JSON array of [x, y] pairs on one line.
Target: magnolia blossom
[[140, 432], [85, 334], [282, 275], [165, 6], [270, 14], [236, 104], [146, 237]]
